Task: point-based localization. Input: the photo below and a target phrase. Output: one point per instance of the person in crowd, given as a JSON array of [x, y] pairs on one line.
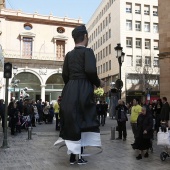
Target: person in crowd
[[158, 108], [105, 105], [18, 123], [56, 112], [121, 117], [46, 111], [164, 116], [40, 111], [2, 112], [100, 112], [78, 109], [144, 132], [135, 111], [13, 113], [36, 115], [51, 114]]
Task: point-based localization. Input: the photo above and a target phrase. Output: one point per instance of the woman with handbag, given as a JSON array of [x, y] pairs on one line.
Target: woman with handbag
[[144, 132]]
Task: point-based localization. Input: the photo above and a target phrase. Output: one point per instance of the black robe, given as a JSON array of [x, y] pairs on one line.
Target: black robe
[[78, 108]]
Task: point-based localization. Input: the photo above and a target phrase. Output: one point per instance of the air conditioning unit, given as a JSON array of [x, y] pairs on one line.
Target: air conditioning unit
[[155, 47], [146, 47], [146, 12], [128, 10], [155, 13], [137, 11]]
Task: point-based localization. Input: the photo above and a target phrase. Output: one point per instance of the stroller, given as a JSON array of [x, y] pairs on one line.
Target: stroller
[[164, 130], [26, 122]]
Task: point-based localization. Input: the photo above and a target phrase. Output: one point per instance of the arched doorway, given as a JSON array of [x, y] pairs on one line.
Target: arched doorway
[[54, 86], [30, 81]]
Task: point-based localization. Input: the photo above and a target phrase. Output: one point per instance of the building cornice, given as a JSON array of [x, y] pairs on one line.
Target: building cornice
[[14, 15]]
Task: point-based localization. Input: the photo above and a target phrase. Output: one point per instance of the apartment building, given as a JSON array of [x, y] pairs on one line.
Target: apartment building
[[134, 24], [36, 45]]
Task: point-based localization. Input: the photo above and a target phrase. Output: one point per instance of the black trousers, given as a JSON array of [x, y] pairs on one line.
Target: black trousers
[[122, 128], [73, 156], [57, 121]]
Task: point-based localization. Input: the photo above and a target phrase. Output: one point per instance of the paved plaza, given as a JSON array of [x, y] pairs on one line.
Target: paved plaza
[[40, 154]]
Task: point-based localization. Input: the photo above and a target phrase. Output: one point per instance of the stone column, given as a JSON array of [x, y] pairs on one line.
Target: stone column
[[43, 92]]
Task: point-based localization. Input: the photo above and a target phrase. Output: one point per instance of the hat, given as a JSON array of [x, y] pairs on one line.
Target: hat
[[79, 29]]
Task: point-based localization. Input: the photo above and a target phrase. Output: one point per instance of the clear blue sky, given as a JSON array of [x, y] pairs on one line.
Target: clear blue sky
[[60, 8]]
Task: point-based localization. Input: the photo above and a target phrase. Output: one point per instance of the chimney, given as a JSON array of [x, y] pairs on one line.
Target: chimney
[[2, 4]]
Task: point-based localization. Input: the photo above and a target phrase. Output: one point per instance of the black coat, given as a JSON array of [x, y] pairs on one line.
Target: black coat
[[165, 112], [78, 108], [144, 122]]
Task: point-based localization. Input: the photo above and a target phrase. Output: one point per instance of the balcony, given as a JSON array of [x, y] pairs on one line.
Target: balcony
[[35, 56]]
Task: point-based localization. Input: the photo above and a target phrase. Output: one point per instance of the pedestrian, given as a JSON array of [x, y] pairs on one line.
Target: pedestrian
[[164, 116], [144, 132], [158, 109], [135, 111], [56, 112], [105, 105], [78, 108], [100, 112], [2, 112], [40, 111], [121, 117], [51, 114], [19, 121], [46, 112]]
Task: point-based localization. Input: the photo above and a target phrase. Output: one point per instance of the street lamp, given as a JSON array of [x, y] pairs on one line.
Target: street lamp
[[120, 57]]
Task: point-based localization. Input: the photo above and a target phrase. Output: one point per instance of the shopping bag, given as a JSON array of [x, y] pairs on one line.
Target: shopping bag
[[163, 138]]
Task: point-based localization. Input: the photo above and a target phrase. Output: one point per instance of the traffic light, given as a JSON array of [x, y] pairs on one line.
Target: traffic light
[[7, 70]]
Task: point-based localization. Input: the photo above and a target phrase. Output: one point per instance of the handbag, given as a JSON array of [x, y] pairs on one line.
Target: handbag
[[163, 138]]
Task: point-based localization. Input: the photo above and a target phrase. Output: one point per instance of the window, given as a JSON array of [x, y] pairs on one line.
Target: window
[[109, 48], [109, 64], [109, 18], [27, 47], [129, 59], [109, 33], [27, 26], [129, 42], [101, 27], [128, 24], [106, 51], [156, 62], [155, 28], [156, 44], [147, 61], [101, 41], [128, 8], [106, 66], [106, 36], [137, 9], [138, 60], [155, 11], [103, 24], [147, 44], [106, 21], [147, 27], [94, 34], [101, 70], [103, 53], [138, 43], [146, 9], [138, 25]]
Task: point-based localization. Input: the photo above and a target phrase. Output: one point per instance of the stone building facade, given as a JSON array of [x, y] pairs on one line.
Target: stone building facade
[[164, 47], [36, 45]]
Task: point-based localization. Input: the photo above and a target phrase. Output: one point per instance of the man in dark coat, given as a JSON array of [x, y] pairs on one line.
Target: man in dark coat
[[78, 108], [165, 110]]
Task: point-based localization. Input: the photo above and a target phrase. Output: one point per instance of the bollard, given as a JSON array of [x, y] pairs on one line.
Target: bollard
[[113, 129], [29, 133]]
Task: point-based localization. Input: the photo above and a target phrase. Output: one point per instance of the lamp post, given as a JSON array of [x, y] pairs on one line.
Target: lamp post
[[120, 56]]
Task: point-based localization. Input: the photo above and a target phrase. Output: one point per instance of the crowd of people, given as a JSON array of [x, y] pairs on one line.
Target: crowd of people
[[24, 113], [145, 120]]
